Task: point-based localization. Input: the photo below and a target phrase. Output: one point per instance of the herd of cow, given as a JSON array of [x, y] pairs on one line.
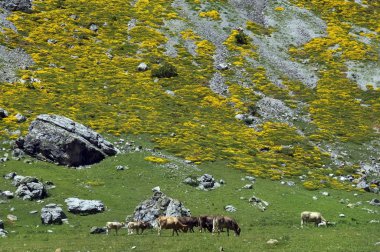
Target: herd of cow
[[213, 224]]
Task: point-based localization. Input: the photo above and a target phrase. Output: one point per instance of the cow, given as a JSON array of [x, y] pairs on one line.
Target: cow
[[205, 222], [114, 225], [138, 225], [169, 222], [220, 222], [190, 222], [315, 217]]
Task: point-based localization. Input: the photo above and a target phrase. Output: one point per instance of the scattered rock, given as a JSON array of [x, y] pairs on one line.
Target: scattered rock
[[10, 175], [342, 215], [375, 202], [94, 27], [3, 112], [259, 203], [272, 242], [3, 233], [207, 182], [52, 214], [191, 181], [98, 230], [29, 188], [248, 186], [222, 66], [159, 205], [12, 217], [288, 183], [142, 67], [20, 118], [156, 189], [250, 178], [58, 139], [7, 194], [120, 167], [230, 208], [84, 207]]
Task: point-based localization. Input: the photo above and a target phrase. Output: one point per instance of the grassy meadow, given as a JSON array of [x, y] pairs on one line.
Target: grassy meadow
[[122, 191]]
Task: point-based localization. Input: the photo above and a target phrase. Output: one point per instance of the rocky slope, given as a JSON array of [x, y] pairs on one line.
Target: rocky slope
[[298, 94]]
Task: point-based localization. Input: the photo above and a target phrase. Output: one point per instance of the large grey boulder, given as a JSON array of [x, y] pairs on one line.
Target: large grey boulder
[[84, 207], [29, 188], [61, 140], [16, 5], [52, 214], [159, 205]]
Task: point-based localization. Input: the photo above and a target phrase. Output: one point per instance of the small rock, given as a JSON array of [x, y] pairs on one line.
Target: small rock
[[375, 202], [222, 182], [374, 221], [11, 217], [7, 194], [377, 244], [50, 231], [222, 66], [120, 167], [1, 224], [191, 181], [3, 113], [98, 230], [156, 189], [52, 214], [10, 175], [315, 198], [94, 27], [142, 67], [230, 208], [325, 193], [3, 233], [250, 178], [20, 118], [272, 242], [248, 186], [342, 215], [33, 212]]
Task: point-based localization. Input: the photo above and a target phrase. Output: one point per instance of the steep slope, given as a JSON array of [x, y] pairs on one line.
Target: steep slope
[[290, 99]]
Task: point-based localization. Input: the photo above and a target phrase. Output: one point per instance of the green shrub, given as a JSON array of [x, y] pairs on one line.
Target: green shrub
[[166, 70], [241, 38]]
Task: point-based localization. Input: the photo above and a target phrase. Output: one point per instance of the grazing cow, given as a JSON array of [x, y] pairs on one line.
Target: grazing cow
[[205, 222], [190, 222], [220, 222], [114, 225], [315, 217], [137, 225], [169, 222]]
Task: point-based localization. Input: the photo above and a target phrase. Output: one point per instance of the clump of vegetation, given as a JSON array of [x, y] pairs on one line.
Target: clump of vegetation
[[156, 160], [166, 70], [241, 38]]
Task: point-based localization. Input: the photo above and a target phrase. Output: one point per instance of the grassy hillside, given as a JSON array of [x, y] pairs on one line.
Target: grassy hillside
[[86, 56], [122, 191]]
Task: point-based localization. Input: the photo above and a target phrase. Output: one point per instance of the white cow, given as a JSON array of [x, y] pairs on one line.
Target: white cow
[[315, 217]]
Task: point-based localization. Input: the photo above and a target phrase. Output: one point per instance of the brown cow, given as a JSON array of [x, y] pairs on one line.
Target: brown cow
[[205, 222], [220, 222], [190, 222], [169, 222], [114, 225], [138, 225]]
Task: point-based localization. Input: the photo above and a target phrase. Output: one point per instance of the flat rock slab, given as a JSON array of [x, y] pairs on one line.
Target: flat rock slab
[[61, 140], [84, 207]]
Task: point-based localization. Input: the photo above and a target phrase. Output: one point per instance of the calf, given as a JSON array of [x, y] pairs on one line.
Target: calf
[[137, 225], [165, 222], [220, 222], [114, 225]]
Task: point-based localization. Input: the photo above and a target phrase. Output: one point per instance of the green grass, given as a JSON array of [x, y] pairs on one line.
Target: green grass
[[122, 191]]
